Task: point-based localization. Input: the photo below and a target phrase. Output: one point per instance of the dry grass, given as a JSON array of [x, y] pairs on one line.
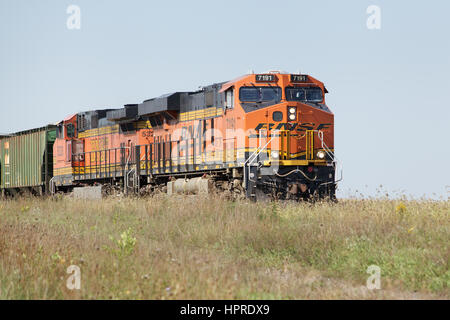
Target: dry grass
[[195, 248]]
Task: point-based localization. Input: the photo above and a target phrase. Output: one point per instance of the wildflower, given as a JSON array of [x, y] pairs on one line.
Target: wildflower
[[25, 209], [411, 229], [56, 256], [400, 208], [126, 243]]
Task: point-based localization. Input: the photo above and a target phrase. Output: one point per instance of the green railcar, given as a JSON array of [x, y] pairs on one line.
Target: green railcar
[[26, 160]]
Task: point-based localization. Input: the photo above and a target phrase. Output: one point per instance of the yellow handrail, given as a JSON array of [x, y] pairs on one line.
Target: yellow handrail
[[309, 144]]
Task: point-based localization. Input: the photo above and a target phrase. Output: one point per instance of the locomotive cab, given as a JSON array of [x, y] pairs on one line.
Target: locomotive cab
[[290, 136], [64, 147]]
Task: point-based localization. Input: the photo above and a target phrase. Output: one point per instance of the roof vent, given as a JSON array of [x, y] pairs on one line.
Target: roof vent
[[276, 72]]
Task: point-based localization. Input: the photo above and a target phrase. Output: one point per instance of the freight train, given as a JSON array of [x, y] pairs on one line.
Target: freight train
[[260, 136]]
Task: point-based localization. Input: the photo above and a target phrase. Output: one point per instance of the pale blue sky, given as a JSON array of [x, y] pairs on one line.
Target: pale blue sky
[[388, 88]]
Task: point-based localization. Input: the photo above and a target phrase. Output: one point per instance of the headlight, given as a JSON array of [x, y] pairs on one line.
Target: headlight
[[275, 154], [321, 154], [292, 113]]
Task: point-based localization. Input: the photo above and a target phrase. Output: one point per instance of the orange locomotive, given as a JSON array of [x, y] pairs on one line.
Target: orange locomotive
[[260, 135]]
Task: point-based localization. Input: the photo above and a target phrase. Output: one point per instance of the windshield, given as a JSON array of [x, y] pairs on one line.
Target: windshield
[[259, 94], [304, 94]]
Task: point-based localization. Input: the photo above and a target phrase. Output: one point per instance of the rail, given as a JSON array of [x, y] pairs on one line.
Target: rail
[[330, 153], [159, 156], [254, 156], [106, 163]]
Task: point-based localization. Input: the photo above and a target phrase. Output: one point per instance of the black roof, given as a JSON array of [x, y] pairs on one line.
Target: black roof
[[129, 111], [167, 102]]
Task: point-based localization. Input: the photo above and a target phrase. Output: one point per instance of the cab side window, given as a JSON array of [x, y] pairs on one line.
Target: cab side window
[[229, 99], [70, 130]]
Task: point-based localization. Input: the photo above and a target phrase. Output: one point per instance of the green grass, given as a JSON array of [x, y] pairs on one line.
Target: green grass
[[189, 247]]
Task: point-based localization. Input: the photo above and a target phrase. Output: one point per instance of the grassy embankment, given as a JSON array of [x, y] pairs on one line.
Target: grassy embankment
[[195, 248]]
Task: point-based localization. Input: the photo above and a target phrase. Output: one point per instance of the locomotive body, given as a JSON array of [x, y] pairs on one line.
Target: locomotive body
[[259, 136]]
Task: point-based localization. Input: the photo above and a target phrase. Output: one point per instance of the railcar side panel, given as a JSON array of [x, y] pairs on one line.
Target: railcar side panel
[[27, 159]]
